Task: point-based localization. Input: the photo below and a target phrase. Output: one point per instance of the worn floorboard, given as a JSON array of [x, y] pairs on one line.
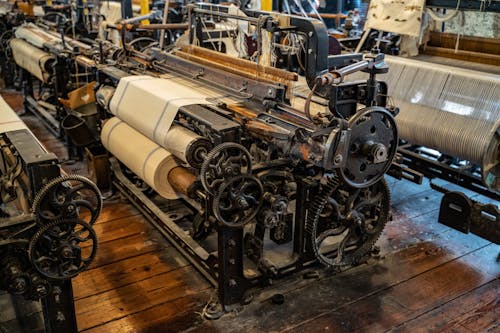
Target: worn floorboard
[[426, 278]]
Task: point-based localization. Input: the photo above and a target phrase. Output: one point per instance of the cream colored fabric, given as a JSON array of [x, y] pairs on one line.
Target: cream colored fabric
[[34, 35], [150, 104], [31, 58], [178, 140], [453, 110], [9, 120], [397, 16], [112, 12], [146, 159]]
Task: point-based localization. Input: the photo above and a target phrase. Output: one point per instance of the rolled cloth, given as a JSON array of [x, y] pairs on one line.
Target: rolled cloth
[[145, 158], [9, 120], [150, 104], [32, 59]]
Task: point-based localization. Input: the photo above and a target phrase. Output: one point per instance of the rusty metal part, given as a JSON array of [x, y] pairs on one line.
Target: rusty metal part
[[182, 180], [132, 27], [236, 84], [234, 65], [84, 61]]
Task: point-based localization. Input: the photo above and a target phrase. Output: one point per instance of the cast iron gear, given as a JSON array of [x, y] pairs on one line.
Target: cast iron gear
[[356, 225], [227, 160], [238, 200], [68, 197], [61, 249]]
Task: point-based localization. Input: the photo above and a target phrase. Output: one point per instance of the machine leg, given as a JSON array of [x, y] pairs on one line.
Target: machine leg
[[59, 310]]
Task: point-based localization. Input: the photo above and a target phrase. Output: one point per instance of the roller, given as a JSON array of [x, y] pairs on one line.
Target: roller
[[187, 145], [183, 181], [150, 104], [32, 59], [145, 158], [455, 111], [103, 95], [34, 35]]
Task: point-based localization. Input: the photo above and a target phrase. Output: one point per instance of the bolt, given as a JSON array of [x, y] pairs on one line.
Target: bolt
[[41, 290], [338, 159], [60, 316], [66, 252], [232, 283], [242, 202]]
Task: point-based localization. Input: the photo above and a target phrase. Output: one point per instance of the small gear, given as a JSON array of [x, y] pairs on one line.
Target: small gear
[[68, 196], [62, 249], [238, 200], [227, 160]]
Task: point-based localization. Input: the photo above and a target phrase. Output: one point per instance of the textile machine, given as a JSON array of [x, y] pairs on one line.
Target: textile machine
[[46, 218], [449, 123], [246, 169]]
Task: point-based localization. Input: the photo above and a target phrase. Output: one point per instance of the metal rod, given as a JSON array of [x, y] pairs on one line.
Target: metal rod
[[164, 21], [221, 14]]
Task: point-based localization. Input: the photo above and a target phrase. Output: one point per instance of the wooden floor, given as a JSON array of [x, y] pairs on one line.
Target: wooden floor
[[427, 278]]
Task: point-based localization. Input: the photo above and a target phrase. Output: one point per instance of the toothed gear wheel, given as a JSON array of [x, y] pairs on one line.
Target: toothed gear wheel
[[225, 161], [238, 200], [68, 196], [61, 249], [344, 233]]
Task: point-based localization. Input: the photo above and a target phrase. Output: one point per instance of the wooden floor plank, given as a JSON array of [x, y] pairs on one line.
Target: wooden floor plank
[[349, 287], [174, 316], [123, 248], [476, 311], [124, 272], [120, 302], [116, 209], [405, 301], [120, 228]]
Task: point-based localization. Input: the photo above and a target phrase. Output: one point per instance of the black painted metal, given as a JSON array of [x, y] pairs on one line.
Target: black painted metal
[[59, 310], [431, 168]]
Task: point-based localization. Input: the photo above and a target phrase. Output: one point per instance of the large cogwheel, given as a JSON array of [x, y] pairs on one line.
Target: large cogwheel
[[225, 161], [62, 249], [345, 224], [238, 201], [68, 196]]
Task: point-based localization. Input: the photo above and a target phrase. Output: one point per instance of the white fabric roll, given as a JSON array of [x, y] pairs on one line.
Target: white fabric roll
[[31, 58], [34, 35], [146, 159], [150, 104], [9, 120], [178, 141]]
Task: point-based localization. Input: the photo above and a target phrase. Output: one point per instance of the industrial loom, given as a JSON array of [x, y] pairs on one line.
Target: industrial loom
[[247, 180], [254, 172], [46, 218]]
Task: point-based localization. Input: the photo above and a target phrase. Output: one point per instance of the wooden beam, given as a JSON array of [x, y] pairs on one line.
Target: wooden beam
[[483, 58]]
